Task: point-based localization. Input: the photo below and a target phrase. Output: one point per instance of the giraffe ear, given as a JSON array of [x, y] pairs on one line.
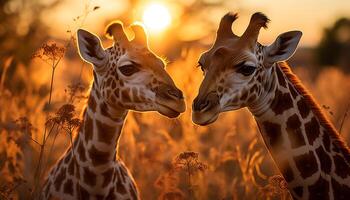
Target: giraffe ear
[[283, 47], [90, 49]]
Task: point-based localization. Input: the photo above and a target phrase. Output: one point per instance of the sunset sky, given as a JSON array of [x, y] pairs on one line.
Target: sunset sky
[[309, 16]]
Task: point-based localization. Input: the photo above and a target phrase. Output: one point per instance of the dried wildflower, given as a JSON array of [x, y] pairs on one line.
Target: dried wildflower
[[189, 160], [50, 53], [65, 118]]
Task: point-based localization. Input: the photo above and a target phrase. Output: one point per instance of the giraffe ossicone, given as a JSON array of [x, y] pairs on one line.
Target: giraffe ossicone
[[127, 76], [240, 72]]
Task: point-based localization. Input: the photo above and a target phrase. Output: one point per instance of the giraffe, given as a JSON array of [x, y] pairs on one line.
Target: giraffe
[[240, 72], [127, 76]]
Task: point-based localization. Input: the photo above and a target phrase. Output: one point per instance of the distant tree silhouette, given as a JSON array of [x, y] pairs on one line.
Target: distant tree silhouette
[[334, 47]]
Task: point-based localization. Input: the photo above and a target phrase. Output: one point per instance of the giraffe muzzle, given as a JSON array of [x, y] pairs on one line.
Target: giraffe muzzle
[[205, 110], [170, 101]]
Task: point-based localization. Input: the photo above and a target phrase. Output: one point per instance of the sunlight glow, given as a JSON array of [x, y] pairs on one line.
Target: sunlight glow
[[156, 17]]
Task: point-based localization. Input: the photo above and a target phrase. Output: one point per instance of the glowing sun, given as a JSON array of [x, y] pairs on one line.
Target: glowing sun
[[156, 17]]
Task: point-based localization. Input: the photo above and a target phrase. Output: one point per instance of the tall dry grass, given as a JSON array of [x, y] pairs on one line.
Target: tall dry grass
[[169, 158]]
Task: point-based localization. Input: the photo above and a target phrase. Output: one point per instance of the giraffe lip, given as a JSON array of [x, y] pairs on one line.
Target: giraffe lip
[[168, 111]]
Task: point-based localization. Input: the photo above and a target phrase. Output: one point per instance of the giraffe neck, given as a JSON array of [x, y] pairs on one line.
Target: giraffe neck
[[98, 139], [305, 146]]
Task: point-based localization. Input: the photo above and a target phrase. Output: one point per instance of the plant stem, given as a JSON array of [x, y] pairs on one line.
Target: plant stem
[[51, 85], [189, 180]]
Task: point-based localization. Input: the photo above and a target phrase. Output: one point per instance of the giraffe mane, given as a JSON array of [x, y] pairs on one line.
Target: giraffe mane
[[316, 109]]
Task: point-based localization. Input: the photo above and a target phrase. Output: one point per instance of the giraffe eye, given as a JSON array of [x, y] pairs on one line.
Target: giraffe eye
[[201, 66], [246, 70], [128, 70]]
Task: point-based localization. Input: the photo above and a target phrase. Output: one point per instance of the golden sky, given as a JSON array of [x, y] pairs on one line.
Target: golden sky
[[309, 16]]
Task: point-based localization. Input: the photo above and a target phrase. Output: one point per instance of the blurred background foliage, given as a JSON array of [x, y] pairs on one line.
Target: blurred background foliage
[[238, 164], [334, 47]]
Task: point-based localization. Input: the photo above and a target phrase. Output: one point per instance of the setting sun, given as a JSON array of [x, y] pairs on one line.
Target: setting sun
[[156, 17]]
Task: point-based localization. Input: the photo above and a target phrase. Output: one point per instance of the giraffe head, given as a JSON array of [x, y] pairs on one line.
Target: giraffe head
[[236, 69], [129, 75]]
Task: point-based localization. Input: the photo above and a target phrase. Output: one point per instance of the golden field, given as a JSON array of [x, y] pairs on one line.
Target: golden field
[[169, 158]]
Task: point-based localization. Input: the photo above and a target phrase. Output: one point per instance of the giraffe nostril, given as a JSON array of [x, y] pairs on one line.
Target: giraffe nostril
[[175, 93], [200, 105], [204, 105]]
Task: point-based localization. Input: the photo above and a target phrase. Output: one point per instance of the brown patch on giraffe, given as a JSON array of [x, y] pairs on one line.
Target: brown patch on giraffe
[[59, 178], [113, 99], [107, 177], [254, 88], [109, 81], [121, 83], [312, 130], [104, 110], [244, 96], [68, 187], [81, 151], [325, 160], [319, 190], [280, 78], [303, 108], [342, 168], [77, 171], [281, 102], [274, 134], [116, 92], [92, 103], [316, 109], [88, 128], [89, 177], [106, 133], [121, 188], [298, 191], [95, 79], [326, 141], [340, 191], [286, 171], [252, 98], [294, 132], [292, 91], [111, 194], [71, 167], [82, 192], [98, 157], [114, 84], [306, 164], [125, 96]]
